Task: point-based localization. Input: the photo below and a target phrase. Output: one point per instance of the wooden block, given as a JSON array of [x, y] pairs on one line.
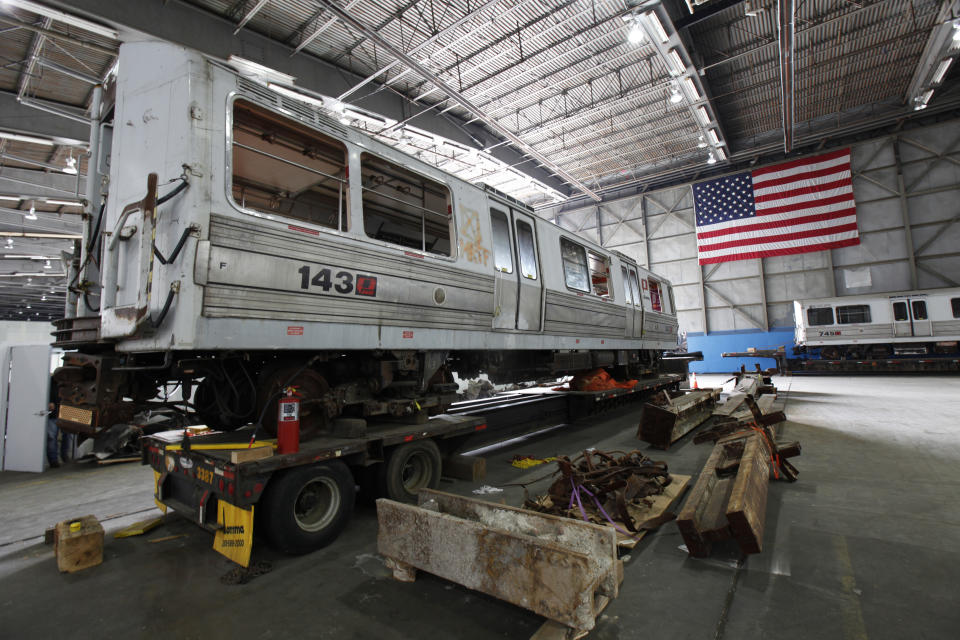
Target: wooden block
[[245, 455], [471, 468], [79, 546]]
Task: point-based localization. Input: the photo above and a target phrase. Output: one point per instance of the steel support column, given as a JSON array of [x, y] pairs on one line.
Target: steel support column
[[905, 212]]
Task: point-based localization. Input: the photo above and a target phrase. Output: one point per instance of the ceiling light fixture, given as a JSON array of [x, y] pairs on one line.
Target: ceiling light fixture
[[691, 88], [66, 18], [701, 143], [65, 203], [750, 10], [33, 213], [711, 159], [657, 26], [675, 96], [31, 139], [714, 139], [47, 265], [678, 65], [636, 35], [11, 198], [71, 167], [9, 243], [942, 69], [703, 115]]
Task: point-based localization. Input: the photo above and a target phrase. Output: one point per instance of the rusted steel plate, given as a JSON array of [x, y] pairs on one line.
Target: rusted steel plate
[[747, 506], [555, 567], [663, 424]]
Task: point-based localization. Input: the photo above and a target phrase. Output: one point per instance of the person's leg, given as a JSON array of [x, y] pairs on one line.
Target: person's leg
[[66, 446], [52, 443]]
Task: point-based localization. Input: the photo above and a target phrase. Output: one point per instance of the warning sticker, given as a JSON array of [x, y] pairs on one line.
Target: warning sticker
[[294, 331], [407, 334]]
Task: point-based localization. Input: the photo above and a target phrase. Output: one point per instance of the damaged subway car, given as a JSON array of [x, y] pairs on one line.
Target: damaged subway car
[[248, 241]]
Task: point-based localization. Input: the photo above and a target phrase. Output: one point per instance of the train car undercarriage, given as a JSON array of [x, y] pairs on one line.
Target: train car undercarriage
[[229, 389]]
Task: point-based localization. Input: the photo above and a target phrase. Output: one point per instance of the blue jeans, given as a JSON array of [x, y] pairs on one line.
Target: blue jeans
[[66, 443]]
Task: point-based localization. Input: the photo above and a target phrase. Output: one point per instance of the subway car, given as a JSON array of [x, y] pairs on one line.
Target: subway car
[[250, 241], [880, 325]]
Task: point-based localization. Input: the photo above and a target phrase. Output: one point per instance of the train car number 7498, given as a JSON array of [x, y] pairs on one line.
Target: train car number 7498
[[342, 282]]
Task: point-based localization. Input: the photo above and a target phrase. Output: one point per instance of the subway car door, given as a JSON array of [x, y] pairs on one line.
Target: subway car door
[[529, 302], [921, 320], [627, 303], [638, 313], [505, 287]]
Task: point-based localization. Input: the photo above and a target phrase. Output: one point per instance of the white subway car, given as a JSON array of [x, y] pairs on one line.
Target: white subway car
[[880, 325], [304, 250]]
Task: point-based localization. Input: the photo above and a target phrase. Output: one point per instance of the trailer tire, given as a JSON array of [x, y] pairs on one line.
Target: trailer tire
[[408, 469], [306, 508]]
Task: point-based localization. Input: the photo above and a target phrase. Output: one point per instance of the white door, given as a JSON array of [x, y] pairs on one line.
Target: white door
[[529, 278], [921, 319], [26, 417], [901, 319], [505, 288]]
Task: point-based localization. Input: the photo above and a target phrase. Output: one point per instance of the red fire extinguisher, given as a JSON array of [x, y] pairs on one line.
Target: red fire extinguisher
[[288, 422]]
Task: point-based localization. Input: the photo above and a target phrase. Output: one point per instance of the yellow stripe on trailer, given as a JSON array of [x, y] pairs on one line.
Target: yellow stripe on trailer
[[156, 491], [221, 446]]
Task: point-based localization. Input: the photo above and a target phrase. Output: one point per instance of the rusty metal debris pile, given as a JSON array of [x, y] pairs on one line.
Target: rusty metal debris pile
[[607, 487]]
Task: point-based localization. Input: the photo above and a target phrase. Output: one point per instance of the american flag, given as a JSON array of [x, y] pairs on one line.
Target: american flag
[[795, 207]]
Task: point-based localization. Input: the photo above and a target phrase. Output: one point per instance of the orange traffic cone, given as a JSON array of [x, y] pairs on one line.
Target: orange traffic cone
[[693, 381]]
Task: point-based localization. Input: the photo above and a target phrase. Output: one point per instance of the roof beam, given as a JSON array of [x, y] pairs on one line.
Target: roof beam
[[201, 30], [785, 36], [18, 118], [426, 74]]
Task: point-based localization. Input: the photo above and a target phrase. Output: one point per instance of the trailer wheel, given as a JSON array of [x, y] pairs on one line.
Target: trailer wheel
[[409, 468], [306, 508]]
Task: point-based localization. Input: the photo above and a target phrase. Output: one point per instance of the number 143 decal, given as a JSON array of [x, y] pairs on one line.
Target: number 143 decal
[[342, 282]]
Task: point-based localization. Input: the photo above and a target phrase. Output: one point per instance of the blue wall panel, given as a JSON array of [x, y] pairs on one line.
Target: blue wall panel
[[715, 343]]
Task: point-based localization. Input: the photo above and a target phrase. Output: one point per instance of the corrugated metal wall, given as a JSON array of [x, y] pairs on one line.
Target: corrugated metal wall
[[907, 189]]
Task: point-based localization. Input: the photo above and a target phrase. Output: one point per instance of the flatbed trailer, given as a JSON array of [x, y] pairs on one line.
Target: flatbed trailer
[[903, 364], [302, 500]]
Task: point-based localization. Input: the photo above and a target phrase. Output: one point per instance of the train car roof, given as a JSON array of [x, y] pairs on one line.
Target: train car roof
[[862, 297]]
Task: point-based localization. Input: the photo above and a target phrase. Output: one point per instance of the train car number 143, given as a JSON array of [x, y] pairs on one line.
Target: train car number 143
[[342, 282]]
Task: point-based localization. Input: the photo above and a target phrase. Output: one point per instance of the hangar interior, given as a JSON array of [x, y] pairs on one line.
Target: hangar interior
[[602, 117]]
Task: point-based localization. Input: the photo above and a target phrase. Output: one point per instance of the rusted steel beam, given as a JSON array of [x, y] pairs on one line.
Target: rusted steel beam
[[667, 419], [556, 567]]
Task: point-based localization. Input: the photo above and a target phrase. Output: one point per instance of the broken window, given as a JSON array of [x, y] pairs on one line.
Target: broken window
[[574, 265], [599, 274], [656, 301], [404, 208], [284, 168]]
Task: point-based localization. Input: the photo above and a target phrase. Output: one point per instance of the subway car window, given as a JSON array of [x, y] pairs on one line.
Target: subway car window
[[627, 297], [853, 314], [574, 265], [655, 301], [600, 274], [404, 208], [900, 312], [955, 306], [527, 251], [281, 167], [635, 287], [819, 317], [919, 310], [502, 255]]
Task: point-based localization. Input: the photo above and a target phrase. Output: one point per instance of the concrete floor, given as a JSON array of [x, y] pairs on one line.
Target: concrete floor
[[865, 545]]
